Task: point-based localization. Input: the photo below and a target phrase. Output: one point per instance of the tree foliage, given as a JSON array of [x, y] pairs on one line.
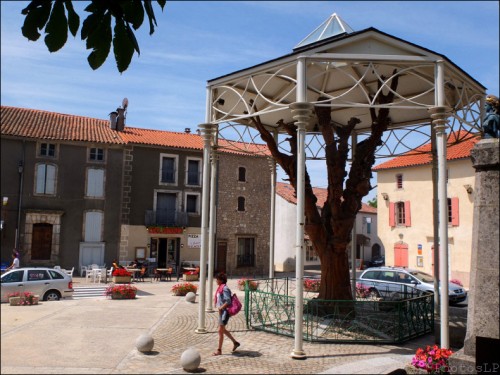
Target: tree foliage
[[373, 202], [57, 17]]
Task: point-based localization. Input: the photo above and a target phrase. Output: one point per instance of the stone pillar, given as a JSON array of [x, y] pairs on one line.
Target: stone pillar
[[483, 309]]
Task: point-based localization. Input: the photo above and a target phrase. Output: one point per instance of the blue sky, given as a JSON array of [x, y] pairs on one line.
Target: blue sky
[[198, 41]]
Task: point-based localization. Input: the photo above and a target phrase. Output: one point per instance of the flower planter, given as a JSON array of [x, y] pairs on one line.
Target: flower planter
[[15, 301], [121, 296], [122, 279], [186, 277], [414, 370]]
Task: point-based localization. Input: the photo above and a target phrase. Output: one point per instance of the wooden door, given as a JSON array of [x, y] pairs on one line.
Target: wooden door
[[401, 255], [220, 266], [41, 245]]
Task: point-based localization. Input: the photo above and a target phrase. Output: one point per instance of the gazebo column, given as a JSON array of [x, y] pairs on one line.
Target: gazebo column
[[439, 115], [207, 134], [301, 112], [272, 167], [212, 229]]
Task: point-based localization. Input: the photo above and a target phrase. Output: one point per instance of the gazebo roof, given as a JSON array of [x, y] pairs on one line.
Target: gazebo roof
[[345, 70]]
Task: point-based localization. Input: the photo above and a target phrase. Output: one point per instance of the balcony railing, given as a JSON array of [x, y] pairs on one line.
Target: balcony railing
[[168, 218]]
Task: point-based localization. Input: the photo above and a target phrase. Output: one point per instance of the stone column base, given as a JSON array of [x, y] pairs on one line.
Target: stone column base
[[461, 363]]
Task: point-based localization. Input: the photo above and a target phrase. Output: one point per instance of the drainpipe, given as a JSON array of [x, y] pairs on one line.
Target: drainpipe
[[20, 170]]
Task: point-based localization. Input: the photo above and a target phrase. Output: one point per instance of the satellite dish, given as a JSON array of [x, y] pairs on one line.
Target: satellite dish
[[124, 103]]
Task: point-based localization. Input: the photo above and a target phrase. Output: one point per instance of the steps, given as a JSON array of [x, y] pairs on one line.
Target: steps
[[81, 292]]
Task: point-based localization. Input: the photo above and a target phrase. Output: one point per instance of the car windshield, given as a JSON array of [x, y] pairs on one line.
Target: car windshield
[[422, 276]]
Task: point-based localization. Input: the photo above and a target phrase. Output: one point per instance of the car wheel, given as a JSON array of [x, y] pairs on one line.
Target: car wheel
[[52, 295]]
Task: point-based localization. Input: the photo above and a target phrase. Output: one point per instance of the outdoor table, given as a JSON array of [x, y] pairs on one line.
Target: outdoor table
[[134, 272], [164, 273]]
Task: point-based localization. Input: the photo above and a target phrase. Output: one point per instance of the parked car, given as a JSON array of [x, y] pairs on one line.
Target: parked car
[[49, 283], [377, 261], [384, 281]]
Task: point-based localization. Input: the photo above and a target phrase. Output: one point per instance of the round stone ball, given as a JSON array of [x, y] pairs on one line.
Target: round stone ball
[[190, 297], [190, 359], [145, 343]]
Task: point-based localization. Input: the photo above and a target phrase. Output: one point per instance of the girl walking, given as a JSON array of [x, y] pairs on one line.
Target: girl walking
[[222, 301]]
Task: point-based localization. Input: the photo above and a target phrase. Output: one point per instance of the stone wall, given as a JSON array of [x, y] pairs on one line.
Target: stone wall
[[254, 221]]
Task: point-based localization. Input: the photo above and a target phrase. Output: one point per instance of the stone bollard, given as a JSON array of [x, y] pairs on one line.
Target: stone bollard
[[190, 297], [145, 343], [190, 359]]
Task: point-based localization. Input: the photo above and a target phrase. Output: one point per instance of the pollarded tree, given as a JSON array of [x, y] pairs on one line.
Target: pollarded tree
[[330, 230]]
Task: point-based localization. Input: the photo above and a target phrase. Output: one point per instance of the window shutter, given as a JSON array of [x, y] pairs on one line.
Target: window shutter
[[40, 179], [407, 214], [454, 212], [392, 217]]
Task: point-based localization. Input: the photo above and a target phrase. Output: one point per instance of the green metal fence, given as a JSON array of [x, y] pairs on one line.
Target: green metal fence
[[386, 318]]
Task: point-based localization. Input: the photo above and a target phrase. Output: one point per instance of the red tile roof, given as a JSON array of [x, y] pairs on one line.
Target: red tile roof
[[32, 123], [422, 154], [287, 192]]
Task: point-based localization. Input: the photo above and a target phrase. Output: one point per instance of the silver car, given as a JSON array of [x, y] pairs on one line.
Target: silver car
[[49, 283], [386, 280]]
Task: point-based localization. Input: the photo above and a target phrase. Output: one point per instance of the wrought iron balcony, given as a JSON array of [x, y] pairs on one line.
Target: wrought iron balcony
[[167, 218]]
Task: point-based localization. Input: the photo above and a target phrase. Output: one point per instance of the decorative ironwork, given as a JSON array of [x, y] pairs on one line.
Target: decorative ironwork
[[387, 318]]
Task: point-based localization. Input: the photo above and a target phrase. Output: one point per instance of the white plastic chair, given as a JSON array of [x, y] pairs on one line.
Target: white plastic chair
[[101, 275], [90, 275], [57, 267], [70, 272]]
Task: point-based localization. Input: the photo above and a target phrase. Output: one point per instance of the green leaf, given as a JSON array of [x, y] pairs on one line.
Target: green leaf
[[99, 40], [37, 13], [151, 16], [161, 3], [123, 47], [133, 12], [57, 28], [73, 18]]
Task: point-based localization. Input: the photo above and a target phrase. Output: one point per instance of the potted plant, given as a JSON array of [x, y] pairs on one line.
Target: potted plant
[[252, 284], [121, 275], [123, 291], [23, 299], [431, 360], [182, 289]]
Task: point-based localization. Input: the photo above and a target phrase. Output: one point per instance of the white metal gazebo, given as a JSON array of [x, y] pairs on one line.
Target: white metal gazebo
[[346, 71]]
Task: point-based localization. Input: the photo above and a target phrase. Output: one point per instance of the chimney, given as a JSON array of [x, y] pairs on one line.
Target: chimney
[[187, 130], [112, 119], [120, 121]]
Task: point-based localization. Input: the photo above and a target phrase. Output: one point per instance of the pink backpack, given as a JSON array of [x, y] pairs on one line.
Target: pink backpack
[[235, 306]]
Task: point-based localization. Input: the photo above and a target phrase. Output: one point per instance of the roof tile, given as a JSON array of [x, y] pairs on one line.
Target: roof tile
[[422, 154]]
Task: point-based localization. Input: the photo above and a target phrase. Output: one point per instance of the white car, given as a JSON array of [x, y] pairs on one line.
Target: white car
[[49, 283], [386, 281]]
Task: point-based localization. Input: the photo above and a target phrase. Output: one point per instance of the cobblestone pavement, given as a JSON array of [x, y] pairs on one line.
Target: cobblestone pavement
[[99, 337]]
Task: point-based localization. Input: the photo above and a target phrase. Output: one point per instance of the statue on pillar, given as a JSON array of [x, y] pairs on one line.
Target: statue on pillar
[[491, 121]]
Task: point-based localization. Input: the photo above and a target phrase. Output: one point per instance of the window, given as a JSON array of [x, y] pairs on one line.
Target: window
[[368, 221], [242, 172], [95, 183], [55, 275], [453, 211], [246, 252], [241, 204], [193, 172], [35, 275], [399, 214], [93, 226], [399, 181], [47, 149], [96, 154], [168, 169], [311, 253], [192, 203], [45, 177], [13, 277]]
